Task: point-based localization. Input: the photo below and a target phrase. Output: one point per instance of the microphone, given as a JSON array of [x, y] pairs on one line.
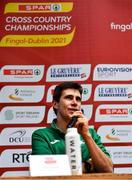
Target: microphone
[[72, 122]]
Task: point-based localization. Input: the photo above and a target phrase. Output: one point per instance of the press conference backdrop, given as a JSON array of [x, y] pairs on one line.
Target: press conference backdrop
[[46, 42]]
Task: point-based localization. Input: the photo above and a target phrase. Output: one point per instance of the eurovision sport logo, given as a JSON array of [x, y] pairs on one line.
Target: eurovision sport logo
[[113, 72]]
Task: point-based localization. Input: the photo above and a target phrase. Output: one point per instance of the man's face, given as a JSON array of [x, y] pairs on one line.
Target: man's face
[[70, 101]]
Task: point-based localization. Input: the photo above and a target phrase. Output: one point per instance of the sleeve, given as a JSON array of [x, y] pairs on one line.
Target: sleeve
[[40, 144], [97, 140]]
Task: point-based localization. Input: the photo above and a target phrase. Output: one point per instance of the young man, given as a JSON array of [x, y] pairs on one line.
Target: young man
[[66, 104]]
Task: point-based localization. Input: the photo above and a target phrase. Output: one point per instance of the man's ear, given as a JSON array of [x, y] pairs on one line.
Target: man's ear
[[55, 104]]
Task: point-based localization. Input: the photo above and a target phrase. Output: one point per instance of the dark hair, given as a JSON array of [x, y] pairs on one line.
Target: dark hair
[[65, 85]]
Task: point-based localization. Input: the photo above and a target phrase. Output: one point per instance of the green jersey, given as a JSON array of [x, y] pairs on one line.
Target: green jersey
[[52, 141]]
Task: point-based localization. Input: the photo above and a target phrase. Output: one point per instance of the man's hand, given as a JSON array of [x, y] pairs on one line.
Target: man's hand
[[101, 162], [81, 124]]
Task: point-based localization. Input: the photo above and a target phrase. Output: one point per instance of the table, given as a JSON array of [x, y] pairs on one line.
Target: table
[[97, 176]]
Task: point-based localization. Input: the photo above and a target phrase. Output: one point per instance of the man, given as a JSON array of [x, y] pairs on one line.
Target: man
[[66, 104]]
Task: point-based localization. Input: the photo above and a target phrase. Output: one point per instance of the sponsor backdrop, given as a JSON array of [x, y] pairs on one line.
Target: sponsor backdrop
[[46, 42]]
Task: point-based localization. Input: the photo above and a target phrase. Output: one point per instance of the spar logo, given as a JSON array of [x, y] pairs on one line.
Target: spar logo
[[22, 72], [18, 72], [39, 7], [114, 111]]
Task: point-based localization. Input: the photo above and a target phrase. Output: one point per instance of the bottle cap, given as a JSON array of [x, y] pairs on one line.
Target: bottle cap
[[72, 129]]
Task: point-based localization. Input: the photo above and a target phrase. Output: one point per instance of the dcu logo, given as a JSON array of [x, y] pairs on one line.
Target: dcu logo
[[17, 136]]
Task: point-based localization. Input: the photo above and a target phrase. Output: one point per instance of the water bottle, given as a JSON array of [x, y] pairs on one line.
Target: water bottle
[[73, 150]]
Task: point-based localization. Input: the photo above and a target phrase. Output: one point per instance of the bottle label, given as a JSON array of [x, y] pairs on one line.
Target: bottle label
[[74, 154]]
